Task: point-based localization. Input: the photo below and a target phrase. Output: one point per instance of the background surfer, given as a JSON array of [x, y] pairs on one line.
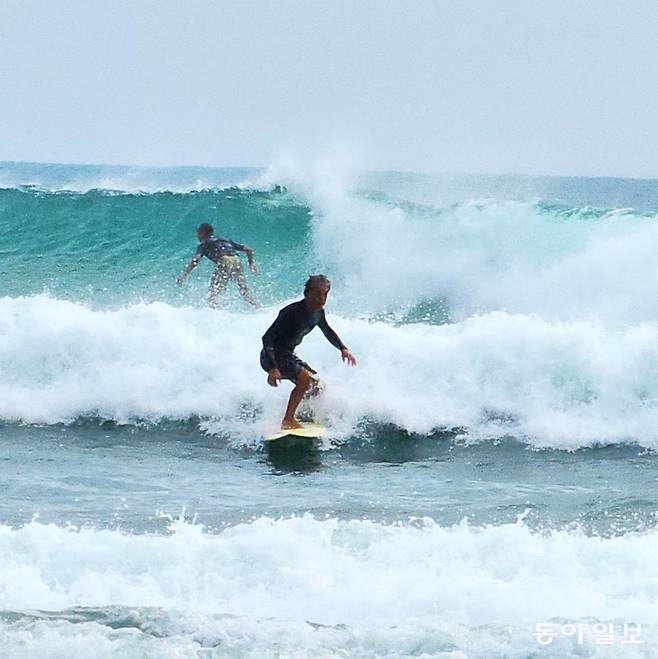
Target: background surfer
[[292, 324], [229, 267]]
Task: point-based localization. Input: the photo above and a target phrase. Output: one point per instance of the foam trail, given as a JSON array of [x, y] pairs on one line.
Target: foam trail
[[558, 384], [461, 587]]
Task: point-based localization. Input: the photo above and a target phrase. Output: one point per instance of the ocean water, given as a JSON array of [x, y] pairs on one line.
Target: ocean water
[[490, 464]]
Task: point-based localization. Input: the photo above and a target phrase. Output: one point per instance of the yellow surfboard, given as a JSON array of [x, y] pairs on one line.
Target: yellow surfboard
[[308, 430]]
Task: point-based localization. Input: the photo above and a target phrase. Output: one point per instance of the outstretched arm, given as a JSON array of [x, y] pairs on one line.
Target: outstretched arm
[[250, 256], [192, 264], [334, 339]]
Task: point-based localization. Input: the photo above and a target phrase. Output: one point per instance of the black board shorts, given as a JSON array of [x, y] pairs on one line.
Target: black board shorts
[[289, 364]]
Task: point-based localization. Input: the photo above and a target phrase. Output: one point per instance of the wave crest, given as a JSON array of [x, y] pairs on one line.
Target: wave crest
[[555, 383]]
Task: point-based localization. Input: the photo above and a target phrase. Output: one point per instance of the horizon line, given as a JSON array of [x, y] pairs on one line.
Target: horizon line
[[365, 171]]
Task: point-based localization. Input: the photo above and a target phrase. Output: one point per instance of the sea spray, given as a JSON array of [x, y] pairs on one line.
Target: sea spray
[[559, 384]]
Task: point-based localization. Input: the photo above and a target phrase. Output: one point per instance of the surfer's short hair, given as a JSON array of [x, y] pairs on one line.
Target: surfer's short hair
[[314, 280], [206, 228]]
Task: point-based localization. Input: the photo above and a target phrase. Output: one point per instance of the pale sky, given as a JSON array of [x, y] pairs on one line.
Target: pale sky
[[499, 86]]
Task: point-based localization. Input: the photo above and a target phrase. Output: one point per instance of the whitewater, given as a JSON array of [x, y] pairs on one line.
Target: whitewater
[[490, 464]]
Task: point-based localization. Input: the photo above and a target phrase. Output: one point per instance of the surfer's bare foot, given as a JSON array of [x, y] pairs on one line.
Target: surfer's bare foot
[[291, 424]]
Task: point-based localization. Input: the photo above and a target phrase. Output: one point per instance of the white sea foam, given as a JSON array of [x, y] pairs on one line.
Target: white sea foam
[[489, 255], [398, 590], [559, 384], [442, 238]]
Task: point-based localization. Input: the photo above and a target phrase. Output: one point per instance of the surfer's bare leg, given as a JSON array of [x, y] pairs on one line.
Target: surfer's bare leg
[[305, 383], [315, 389]]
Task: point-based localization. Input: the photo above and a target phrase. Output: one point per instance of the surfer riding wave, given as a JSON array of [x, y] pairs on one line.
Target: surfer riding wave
[[293, 323]]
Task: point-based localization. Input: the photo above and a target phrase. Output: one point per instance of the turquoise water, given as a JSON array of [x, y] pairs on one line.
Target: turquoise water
[[490, 463], [89, 247]]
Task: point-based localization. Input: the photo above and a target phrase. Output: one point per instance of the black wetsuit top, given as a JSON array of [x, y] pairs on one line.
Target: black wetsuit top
[[293, 323]]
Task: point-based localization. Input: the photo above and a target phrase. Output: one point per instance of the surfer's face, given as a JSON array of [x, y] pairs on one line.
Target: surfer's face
[[316, 297], [201, 235]]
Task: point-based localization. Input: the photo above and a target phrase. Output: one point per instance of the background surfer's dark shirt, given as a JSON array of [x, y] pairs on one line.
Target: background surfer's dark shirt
[[214, 248], [293, 323]]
